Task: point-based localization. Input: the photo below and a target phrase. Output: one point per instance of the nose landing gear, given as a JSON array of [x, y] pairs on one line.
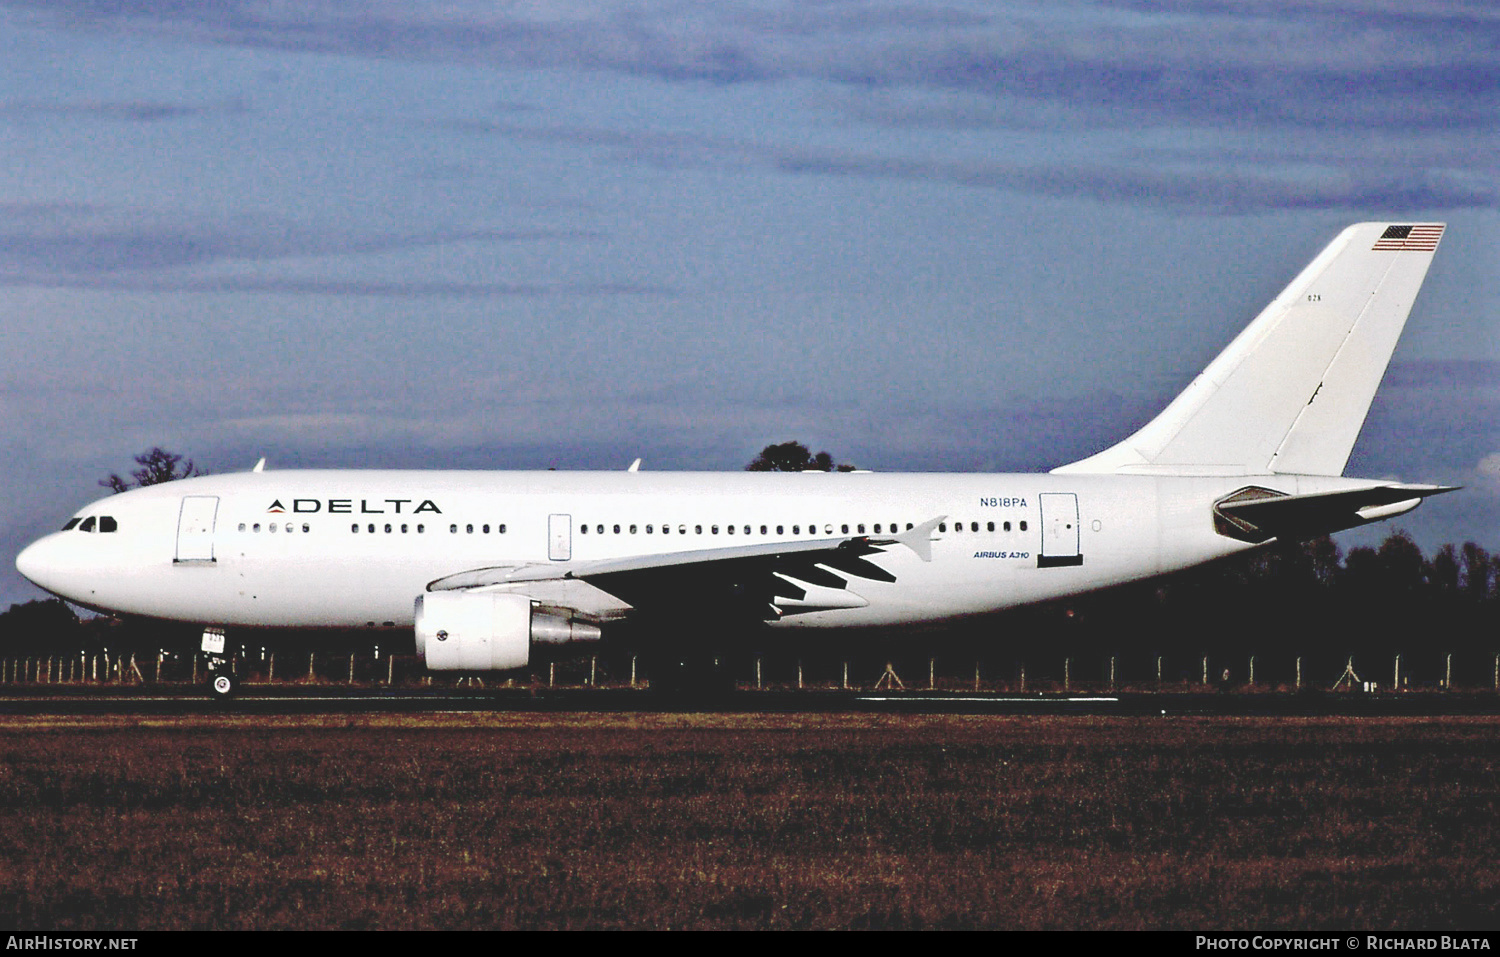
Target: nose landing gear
[[222, 681]]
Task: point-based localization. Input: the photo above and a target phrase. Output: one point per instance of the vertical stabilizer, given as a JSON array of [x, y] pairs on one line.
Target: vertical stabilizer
[[1290, 393]]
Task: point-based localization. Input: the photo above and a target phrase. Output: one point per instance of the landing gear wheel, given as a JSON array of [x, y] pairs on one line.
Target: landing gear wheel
[[222, 685], [221, 680]]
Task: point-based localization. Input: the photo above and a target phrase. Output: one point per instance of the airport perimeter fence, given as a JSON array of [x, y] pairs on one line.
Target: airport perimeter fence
[[1036, 675]]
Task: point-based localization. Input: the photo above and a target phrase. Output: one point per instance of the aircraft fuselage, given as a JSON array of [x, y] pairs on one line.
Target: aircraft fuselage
[[355, 548]]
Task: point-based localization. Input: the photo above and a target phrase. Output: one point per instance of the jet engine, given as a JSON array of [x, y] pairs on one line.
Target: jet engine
[[466, 631]]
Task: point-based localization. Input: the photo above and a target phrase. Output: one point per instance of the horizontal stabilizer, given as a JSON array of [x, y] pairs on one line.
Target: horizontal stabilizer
[[1255, 514]]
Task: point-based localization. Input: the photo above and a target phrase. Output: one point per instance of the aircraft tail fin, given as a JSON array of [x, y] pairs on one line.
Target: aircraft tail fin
[[1290, 393]]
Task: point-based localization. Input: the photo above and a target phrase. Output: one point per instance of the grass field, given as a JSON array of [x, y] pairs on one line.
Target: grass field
[[748, 821]]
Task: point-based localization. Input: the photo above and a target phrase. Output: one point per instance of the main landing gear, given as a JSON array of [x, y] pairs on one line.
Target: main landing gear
[[222, 681]]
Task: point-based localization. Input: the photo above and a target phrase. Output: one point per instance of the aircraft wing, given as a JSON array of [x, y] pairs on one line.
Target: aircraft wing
[[1257, 514], [761, 582]]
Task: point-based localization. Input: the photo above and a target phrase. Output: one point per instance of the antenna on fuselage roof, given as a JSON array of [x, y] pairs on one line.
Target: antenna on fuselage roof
[[261, 465]]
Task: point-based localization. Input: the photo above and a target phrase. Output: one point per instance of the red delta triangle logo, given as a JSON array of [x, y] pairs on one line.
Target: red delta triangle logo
[[276, 508]]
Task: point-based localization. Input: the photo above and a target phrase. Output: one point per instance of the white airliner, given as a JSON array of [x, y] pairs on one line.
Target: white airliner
[[487, 564]]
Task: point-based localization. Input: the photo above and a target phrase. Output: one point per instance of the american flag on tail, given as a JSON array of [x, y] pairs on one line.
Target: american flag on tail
[[1411, 236]]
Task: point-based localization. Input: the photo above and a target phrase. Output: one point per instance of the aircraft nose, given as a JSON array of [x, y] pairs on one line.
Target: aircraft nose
[[38, 563], [28, 563]]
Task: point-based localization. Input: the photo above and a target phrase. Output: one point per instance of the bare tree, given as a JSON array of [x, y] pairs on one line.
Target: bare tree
[[156, 466]]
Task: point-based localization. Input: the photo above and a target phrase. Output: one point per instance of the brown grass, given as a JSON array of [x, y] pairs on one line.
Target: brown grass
[[744, 821]]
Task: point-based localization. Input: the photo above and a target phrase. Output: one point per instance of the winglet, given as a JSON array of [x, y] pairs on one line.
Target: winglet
[[919, 539], [634, 466], [261, 465]]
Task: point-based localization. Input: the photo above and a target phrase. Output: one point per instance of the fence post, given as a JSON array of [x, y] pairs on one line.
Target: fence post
[[351, 669], [976, 674], [799, 674], [1158, 672], [312, 657], [1205, 669], [931, 673], [1023, 677], [1448, 673], [632, 670], [1067, 674], [1111, 672], [757, 673], [1299, 672], [1396, 677], [846, 674]]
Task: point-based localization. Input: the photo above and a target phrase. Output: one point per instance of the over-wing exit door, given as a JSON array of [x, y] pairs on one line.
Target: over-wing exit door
[[560, 538]]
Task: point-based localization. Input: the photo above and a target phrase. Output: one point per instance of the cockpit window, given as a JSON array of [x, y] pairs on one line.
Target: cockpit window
[[88, 525], [108, 524], [72, 522]]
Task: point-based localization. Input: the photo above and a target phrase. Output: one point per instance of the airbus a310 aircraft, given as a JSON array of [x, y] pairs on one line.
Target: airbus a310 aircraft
[[487, 565]]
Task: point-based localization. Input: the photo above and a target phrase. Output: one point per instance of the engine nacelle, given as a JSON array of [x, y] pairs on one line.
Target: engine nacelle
[[465, 631]]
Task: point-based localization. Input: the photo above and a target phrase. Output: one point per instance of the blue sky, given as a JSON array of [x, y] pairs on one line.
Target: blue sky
[[930, 236]]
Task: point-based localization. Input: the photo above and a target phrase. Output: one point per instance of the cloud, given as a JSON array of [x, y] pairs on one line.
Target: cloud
[[1186, 180], [1278, 62], [75, 246], [126, 111], [1210, 107], [334, 287], [76, 239]]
